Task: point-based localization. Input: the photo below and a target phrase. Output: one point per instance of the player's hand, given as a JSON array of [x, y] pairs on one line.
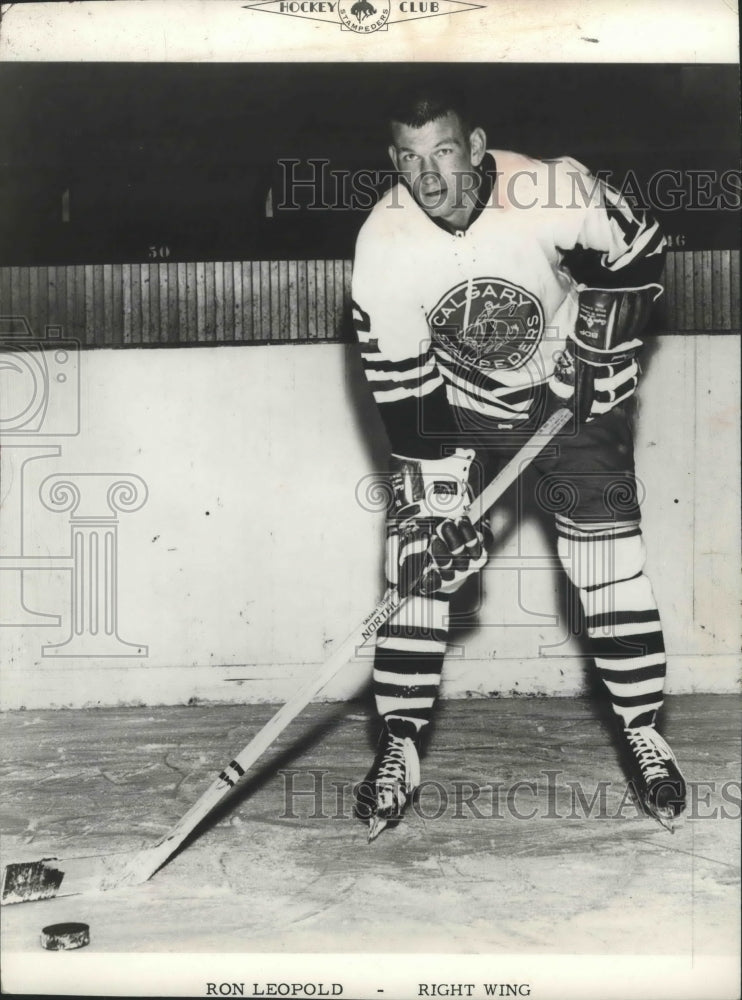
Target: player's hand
[[432, 546], [598, 368]]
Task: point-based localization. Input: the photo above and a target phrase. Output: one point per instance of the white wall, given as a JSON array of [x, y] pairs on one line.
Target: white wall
[[239, 603]]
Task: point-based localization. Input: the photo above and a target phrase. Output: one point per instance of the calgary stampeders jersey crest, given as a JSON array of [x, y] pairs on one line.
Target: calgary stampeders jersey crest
[[488, 325], [479, 316]]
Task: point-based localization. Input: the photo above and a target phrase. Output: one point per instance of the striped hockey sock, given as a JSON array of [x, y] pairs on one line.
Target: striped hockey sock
[[409, 659], [605, 562]]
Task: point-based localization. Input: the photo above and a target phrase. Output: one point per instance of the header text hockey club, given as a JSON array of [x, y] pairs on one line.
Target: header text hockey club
[[363, 16]]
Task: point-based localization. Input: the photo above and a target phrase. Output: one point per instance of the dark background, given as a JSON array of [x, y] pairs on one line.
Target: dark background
[[176, 161]]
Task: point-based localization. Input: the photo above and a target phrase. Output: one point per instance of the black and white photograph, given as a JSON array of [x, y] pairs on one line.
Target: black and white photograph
[[369, 499]]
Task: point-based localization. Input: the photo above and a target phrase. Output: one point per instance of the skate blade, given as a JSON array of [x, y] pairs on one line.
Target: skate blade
[[668, 819], [376, 825]]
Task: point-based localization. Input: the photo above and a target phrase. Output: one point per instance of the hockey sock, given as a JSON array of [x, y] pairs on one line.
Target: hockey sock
[[409, 659], [605, 562]]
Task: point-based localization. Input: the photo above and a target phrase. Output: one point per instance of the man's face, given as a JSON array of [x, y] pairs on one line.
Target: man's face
[[438, 163]]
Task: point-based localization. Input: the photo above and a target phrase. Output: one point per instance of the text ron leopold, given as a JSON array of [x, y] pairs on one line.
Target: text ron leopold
[[274, 990]]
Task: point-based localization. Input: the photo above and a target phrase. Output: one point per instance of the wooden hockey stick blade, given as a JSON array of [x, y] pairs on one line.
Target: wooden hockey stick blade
[[51, 877]]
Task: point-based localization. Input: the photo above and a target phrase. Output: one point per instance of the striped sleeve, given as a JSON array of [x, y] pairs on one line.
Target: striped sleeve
[[629, 239], [391, 380], [398, 361]]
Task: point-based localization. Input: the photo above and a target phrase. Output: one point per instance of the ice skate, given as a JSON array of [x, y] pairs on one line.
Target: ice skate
[[660, 786], [384, 793]]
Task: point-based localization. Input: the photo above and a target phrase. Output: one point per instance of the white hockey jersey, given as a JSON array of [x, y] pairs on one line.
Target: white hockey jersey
[[481, 314]]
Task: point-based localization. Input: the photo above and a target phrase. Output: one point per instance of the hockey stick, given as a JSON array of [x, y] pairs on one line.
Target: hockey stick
[[50, 877]]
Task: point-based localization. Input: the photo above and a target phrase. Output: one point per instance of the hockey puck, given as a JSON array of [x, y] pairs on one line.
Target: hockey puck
[[65, 937]]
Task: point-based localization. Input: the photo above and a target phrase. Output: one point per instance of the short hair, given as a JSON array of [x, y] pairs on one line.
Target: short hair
[[428, 103]]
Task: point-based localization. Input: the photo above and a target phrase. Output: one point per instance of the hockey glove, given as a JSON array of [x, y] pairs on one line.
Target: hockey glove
[[598, 367], [431, 543]]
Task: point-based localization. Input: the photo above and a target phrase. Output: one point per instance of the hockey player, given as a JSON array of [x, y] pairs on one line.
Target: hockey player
[[470, 326]]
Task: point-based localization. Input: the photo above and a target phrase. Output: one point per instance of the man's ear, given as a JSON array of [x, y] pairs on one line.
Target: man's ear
[[478, 144], [393, 156]]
